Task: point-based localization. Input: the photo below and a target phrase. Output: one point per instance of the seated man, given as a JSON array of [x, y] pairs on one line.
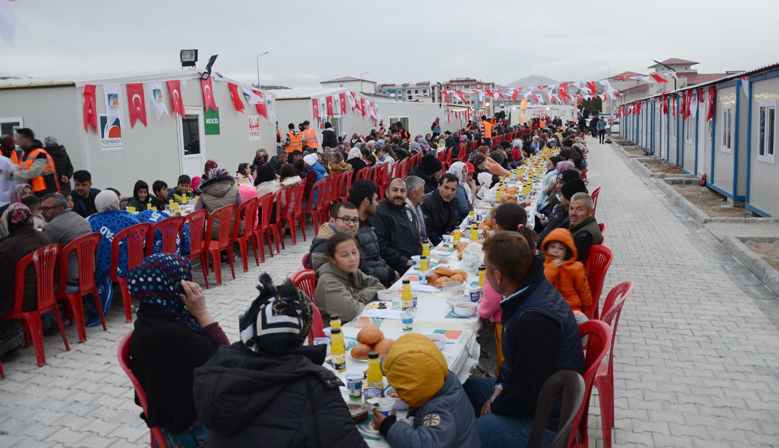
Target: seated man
[[540, 338], [559, 215], [414, 197], [440, 208], [584, 227], [343, 218], [429, 170], [364, 195], [182, 188], [83, 194], [34, 204], [396, 228]]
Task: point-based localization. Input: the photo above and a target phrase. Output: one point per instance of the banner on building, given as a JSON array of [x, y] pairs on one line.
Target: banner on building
[[158, 100], [113, 101], [254, 127], [211, 119], [110, 132]]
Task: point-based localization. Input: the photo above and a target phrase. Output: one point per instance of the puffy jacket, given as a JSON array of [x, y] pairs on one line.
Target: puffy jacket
[[62, 163], [371, 262], [13, 248], [569, 278], [446, 420], [336, 293], [217, 193], [321, 172], [396, 230], [78, 203], [440, 216], [275, 164], [329, 138], [250, 400], [585, 234]]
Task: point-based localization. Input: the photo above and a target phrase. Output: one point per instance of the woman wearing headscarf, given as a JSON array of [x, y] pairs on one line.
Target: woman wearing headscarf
[[210, 165], [196, 183], [174, 334], [355, 160], [19, 192], [314, 173], [265, 183], [260, 159], [238, 391], [337, 163], [549, 182], [140, 197], [19, 238], [218, 191], [422, 143], [108, 221], [463, 194]]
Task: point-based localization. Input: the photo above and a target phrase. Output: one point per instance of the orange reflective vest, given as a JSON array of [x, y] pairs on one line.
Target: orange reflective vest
[[14, 158], [295, 142], [310, 139], [280, 137], [486, 129], [39, 183]]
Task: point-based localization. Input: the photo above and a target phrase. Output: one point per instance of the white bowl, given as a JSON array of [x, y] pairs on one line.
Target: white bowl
[[438, 339], [386, 295], [465, 309], [451, 301], [400, 405]]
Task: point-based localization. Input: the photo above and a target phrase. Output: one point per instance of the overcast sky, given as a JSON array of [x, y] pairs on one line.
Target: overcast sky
[[396, 41]]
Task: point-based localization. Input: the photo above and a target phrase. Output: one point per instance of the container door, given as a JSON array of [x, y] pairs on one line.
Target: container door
[[192, 151]]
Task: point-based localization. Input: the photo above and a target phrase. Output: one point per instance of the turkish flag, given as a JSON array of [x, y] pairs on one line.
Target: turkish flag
[[237, 103], [174, 87], [564, 92], [315, 103], [342, 102], [362, 106], [710, 112], [689, 102], [90, 109], [682, 106], [329, 101], [136, 102], [261, 106], [673, 106], [516, 93], [533, 95], [208, 94], [593, 89], [659, 78]]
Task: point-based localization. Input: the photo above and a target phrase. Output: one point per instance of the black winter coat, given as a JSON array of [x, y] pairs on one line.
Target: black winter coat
[[430, 183], [329, 138], [440, 216], [61, 159], [251, 400], [396, 230], [371, 262]]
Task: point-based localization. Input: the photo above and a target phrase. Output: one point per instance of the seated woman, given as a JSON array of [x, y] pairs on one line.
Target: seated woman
[[342, 288], [19, 238], [244, 174], [337, 164], [218, 191], [108, 221], [464, 193], [268, 390], [289, 179], [140, 197], [314, 173], [174, 334], [19, 192]]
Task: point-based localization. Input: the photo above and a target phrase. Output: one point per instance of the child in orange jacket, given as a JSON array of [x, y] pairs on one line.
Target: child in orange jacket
[[565, 273]]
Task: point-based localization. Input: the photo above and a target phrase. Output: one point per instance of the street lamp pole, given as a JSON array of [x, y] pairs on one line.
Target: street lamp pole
[[258, 68], [361, 74]]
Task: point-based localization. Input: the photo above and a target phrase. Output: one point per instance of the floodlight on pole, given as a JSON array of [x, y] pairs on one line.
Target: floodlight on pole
[[188, 58]]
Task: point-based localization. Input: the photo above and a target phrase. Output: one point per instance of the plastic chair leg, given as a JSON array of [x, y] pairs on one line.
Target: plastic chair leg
[[242, 244], [293, 231], [76, 311], [606, 399], [303, 226], [277, 236], [216, 259], [100, 308], [204, 265], [33, 321], [62, 327], [128, 313], [2, 373], [258, 241]]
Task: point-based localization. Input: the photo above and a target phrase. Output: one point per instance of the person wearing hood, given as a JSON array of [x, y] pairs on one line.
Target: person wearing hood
[[440, 414], [429, 170], [354, 158], [279, 160], [464, 193], [540, 338], [268, 389], [218, 191], [314, 173], [36, 166], [440, 209], [329, 138], [565, 273], [174, 334], [559, 217], [140, 197], [63, 166], [108, 221], [342, 288], [208, 167]]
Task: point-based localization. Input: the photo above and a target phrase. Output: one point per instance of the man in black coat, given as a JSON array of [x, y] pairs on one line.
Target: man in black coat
[[278, 161], [396, 228], [439, 208], [429, 170]]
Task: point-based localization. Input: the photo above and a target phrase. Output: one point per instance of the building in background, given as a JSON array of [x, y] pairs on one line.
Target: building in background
[[419, 92], [356, 85]]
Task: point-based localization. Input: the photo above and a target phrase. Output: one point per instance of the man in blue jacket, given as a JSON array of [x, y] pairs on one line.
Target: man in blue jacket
[[83, 194]]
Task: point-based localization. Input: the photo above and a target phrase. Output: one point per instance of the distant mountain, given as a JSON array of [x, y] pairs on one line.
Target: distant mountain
[[532, 80]]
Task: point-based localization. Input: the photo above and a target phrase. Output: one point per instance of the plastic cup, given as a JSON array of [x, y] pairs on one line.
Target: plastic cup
[[371, 395], [415, 260], [354, 383], [407, 320], [385, 405], [475, 293]]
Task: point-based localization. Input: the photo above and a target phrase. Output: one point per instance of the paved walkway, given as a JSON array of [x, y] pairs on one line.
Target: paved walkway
[[697, 360]]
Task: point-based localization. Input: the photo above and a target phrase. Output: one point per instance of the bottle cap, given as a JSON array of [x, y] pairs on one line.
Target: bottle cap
[[406, 281], [335, 317], [482, 267], [373, 355], [423, 257], [335, 331]]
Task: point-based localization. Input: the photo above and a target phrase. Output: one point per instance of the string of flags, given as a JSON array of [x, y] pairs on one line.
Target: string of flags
[[326, 107], [163, 93], [688, 103]]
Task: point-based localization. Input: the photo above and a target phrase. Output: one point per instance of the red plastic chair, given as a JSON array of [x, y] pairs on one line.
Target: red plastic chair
[[363, 173], [44, 261], [170, 229], [134, 237], [297, 212], [602, 227], [86, 251], [599, 259], [326, 205], [382, 179], [279, 231], [305, 281], [2, 373], [314, 208], [594, 195], [265, 228], [598, 342], [214, 248], [346, 184], [125, 362], [604, 378], [249, 211], [197, 223]]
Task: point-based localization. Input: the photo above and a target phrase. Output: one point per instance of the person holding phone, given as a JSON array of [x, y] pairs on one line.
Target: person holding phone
[[174, 334]]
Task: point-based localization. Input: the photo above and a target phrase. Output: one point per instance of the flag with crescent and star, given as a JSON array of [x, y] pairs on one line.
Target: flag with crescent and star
[[136, 104], [174, 87], [236, 97], [208, 94], [90, 108]]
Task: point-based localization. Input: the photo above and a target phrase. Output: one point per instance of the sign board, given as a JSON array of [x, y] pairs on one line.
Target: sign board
[[212, 121], [110, 132], [254, 127]]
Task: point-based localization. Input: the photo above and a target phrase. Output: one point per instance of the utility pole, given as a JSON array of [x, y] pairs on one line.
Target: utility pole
[[258, 68]]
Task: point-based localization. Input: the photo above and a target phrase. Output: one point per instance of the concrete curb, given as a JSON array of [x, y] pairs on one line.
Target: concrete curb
[[641, 167], [697, 214], [762, 270]]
